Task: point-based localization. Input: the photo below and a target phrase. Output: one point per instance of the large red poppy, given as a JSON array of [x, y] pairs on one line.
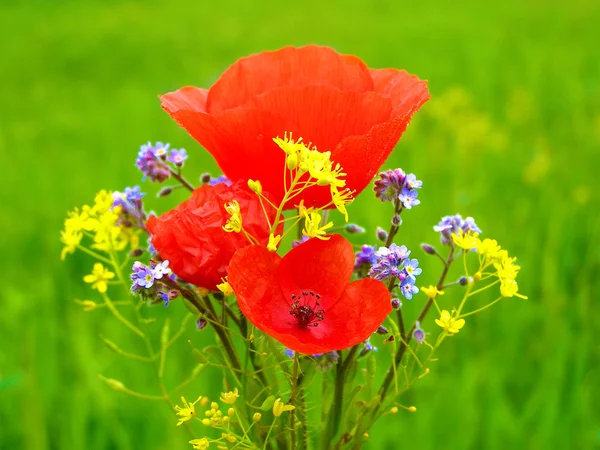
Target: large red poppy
[[305, 300], [191, 236], [334, 101]]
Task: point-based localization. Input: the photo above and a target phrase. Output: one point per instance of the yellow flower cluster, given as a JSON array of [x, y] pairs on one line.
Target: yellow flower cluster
[[302, 159], [100, 222], [214, 416], [491, 254]]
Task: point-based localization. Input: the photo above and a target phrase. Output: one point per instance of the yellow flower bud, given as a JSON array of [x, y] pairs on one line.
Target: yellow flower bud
[[292, 161], [394, 410], [256, 417], [412, 408], [255, 186], [477, 277], [214, 405], [273, 242], [206, 422], [230, 412], [204, 401]]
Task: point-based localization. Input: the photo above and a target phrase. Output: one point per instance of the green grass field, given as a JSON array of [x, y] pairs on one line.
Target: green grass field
[[511, 136]]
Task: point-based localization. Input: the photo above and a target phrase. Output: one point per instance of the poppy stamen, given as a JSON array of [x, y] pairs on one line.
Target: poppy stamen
[[306, 314]]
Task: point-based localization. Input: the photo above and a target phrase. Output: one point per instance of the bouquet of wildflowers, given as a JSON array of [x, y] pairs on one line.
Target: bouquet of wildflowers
[[257, 257]]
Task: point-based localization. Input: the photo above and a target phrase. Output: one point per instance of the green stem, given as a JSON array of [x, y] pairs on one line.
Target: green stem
[[293, 402], [182, 180]]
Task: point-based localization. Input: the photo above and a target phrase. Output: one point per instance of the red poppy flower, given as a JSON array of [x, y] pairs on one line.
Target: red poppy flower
[[334, 101], [191, 236], [305, 300]]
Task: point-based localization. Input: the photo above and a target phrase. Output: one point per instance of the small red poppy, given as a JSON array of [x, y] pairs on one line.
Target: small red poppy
[[334, 101], [305, 300], [191, 236]]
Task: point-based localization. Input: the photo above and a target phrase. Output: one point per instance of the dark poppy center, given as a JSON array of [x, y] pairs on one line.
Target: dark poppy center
[[305, 308]]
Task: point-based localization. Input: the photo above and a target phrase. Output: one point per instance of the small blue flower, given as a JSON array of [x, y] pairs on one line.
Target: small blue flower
[[388, 262], [419, 334], [220, 180], [133, 194], [411, 182], [289, 353], [161, 269], [161, 150], [142, 276], [409, 198], [408, 288], [411, 267], [369, 347], [177, 157]]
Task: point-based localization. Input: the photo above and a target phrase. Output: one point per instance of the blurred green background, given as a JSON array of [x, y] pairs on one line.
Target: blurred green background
[[511, 136]]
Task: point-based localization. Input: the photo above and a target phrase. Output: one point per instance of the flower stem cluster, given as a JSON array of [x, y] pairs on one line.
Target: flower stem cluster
[[394, 185], [155, 160], [393, 262]]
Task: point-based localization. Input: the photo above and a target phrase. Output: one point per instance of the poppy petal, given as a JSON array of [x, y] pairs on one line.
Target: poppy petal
[[288, 67], [188, 98], [309, 111], [252, 274], [324, 267], [407, 91], [363, 306]]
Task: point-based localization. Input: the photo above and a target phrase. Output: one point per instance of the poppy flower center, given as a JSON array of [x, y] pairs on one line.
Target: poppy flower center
[[305, 308]]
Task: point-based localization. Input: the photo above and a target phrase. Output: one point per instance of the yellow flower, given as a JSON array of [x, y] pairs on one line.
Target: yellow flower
[[313, 228], [489, 249], [256, 417], [88, 305], [431, 291], [225, 287], [187, 412], [99, 277], [288, 145], [448, 323], [340, 200], [255, 186], [102, 202], [200, 444], [273, 242], [230, 397], [234, 223], [71, 240], [466, 241], [279, 408]]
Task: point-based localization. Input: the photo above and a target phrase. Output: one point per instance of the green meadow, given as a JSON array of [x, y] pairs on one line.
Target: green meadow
[[511, 136]]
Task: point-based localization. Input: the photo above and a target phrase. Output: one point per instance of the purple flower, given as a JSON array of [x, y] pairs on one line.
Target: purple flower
[[296, 243], [411, 267], [150, 163], [452, 224], [365, 256], [220, 180], [419, 334], [177, 157], [369, 347], [408, 288], [161, 269], [133, 194], [161, 150], [389, 263], [389, 185], [411, 182], [409, 198], [352, 228], [142, 276], [289, 353]]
